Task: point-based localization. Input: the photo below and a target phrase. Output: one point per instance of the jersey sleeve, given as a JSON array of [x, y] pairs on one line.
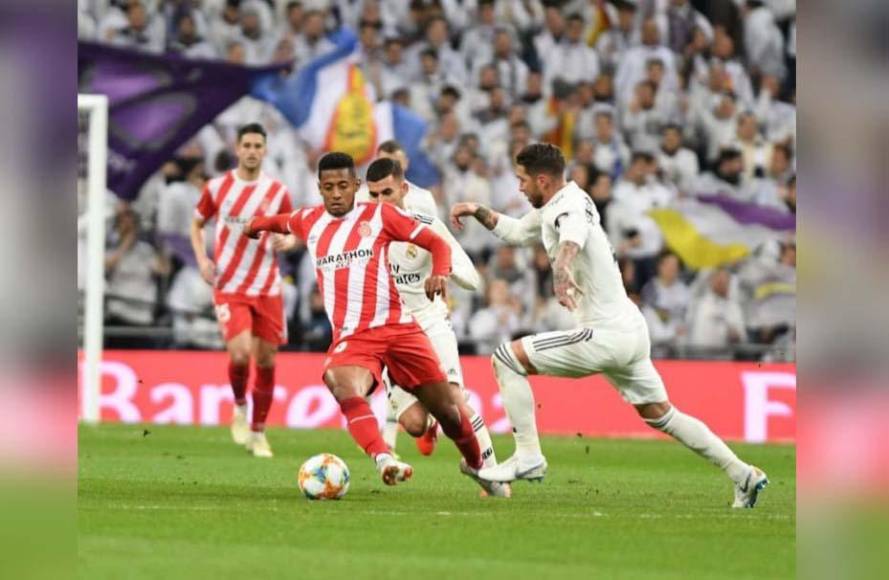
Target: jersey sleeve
[[206, 207], [398, 224], [296, 222], [572, 225], [286, 205], [519, 232]]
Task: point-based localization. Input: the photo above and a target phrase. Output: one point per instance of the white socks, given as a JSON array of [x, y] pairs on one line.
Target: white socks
[[695, 435], [390, 429], [518, 401], [484, 438]]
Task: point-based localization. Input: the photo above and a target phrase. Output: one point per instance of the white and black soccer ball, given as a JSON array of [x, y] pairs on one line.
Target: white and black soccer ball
[[324, 476]]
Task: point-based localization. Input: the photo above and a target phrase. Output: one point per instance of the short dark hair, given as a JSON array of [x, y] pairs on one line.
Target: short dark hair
[[539, 158], [638, 155], [336, 160], [390, 146], [251, 128], [383, 168]]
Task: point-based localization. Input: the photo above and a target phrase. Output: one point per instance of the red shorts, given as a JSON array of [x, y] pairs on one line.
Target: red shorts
[[263, 316], [404, 349]]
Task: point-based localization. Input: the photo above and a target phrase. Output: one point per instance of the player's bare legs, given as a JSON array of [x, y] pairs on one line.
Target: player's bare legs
[[238, 374], [695, 435], [349, 385], [264, 358]]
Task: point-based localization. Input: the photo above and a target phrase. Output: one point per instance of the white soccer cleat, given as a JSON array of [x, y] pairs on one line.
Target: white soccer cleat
[[258, 445], [747, 492], [491, 488], [240, 427], [532, 469], [391, 470]]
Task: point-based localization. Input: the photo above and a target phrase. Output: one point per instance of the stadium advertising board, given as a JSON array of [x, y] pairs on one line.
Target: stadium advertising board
[[740, 401]]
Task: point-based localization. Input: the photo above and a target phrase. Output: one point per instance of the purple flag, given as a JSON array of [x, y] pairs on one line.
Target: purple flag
[[156, 104]]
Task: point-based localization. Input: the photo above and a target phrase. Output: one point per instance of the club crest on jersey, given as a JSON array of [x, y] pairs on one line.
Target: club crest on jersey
[[411, 251], [341, 347], [364, 229]]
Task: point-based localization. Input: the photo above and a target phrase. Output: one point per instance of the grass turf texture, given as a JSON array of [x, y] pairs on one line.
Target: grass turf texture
[[171, 502]]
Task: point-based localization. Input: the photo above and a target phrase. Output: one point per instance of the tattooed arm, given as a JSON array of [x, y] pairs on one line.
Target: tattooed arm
[[513, 231], [564, 285]]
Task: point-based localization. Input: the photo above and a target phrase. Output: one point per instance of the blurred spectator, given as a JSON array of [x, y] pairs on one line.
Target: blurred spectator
[[600, 192], [258, 43], [678, 164], [438, 41], [546, 41], [478, 39], [395, 73], [131, 266], [716, 320], [188, 42], [719, 124], [727, 178], [755, 151], [611, 154], [313, 41], [571, 59], [512, 72], [614, 42], [175, 209], [739, 81], [679, 24], [771, 287], [665, 300], [763, 41], [139, 31], [190, 301], [462, 183], [631, 231], [631, 68], [497, 322], [642, 121], [778, 115], [226, 28]]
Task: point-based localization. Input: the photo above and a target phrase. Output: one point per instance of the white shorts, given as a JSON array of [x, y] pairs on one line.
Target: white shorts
[[623, 356], [444, 343]]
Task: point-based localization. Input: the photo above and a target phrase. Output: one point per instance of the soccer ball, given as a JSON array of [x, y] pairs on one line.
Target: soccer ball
[[324, 476]]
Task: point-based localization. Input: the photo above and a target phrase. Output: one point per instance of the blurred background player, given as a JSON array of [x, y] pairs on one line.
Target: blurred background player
[[410, 266], [349, 243], [244, 275], [610, 337], [417, 199]]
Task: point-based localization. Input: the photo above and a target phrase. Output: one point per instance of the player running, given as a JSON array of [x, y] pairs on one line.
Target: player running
[[611, 336], [411, 265], [349, 243], [244, 275]]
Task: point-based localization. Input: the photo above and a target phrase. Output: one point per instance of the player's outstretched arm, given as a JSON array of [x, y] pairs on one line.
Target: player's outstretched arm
[[463, 271], [519, 232], [279, 224]]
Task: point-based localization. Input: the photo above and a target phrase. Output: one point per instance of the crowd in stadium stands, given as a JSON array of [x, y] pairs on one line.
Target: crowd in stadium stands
[[650, 100]]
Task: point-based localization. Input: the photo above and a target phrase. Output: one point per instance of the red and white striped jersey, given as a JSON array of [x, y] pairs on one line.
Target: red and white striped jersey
[[243, 266], [351, 262]]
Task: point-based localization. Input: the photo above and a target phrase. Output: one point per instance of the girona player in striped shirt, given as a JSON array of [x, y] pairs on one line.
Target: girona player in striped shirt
[[349, 243], [244, 275]]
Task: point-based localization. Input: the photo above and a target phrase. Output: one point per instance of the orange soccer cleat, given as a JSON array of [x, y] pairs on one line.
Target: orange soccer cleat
[[426, 442]]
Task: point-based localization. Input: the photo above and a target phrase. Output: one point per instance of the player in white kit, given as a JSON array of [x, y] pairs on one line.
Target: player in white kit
[[410, 266], [611, 336], [419, 201]]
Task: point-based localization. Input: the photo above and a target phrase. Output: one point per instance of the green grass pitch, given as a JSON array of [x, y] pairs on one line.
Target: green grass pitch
[[182, 502]]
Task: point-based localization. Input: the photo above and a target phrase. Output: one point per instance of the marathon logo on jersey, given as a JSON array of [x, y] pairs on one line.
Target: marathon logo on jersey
[[344, 259]]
